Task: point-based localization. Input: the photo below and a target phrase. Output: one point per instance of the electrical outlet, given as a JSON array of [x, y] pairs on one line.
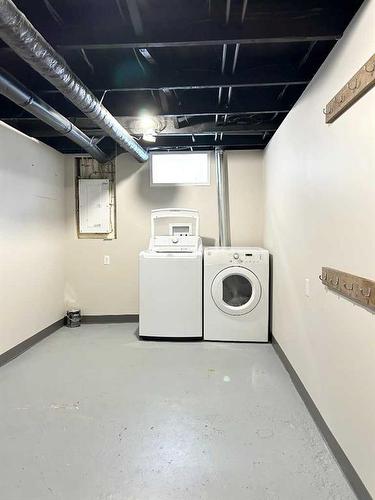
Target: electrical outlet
[[307, 287], [107, 260]]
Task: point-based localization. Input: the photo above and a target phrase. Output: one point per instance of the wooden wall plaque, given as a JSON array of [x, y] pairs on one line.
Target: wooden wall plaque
[[355, 288], [353, 90]]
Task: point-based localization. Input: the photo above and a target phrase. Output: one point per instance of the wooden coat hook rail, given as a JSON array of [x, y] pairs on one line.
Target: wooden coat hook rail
[[354, 89], [360, 290]]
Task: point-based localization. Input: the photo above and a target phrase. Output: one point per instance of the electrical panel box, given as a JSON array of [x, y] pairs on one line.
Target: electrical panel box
[[94, 206]]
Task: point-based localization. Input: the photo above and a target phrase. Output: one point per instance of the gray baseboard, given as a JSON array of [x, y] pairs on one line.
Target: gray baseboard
[[111, 318], [26, 344], [347, 468]]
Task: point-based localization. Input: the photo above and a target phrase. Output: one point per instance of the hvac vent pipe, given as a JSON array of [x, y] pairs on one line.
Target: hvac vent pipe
[[17, 31], [222, 198], [20, 95]]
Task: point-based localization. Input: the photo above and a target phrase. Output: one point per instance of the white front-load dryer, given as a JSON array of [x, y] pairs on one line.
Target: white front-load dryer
[[236, 294]]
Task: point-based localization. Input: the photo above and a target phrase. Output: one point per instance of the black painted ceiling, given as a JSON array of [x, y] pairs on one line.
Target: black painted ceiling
[[215, 72]]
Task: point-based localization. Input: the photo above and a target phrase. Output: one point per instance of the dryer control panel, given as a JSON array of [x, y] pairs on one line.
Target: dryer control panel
[[235, 256], [245, 257]]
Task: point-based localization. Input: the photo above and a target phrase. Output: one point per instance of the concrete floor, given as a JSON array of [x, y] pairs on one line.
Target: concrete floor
[[94, 413]]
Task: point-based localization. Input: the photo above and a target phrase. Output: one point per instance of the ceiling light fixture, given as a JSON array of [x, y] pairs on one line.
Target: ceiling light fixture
[[147, 125], [149, 137]]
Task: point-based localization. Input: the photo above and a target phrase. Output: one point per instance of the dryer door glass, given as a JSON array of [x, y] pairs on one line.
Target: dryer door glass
[[237, 290]]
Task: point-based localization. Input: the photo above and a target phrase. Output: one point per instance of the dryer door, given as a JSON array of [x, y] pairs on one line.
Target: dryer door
[[236, 290]]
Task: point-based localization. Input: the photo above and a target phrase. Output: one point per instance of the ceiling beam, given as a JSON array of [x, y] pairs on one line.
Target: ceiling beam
[[187, 42], [71, 150], [327, 24], [200, 129], [191, 110], [208, 140], [210, 129], [113, 43], [168, 127], [256, 102], [196, 80], [135, 16], [201, 108], [177, 142]]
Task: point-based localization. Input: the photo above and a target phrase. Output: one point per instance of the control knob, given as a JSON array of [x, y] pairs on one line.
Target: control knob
[[236, 256], [175, 239]]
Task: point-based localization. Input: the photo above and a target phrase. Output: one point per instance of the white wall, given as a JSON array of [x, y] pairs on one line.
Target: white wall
[[246, 197], [31, 237], [320, 211], [113, 289]]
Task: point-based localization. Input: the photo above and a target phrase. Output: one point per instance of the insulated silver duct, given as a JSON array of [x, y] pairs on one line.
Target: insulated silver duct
[[20, 95], [17, 31], [222, 198]]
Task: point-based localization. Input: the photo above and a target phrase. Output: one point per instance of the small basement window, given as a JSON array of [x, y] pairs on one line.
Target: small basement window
[[182, 168]]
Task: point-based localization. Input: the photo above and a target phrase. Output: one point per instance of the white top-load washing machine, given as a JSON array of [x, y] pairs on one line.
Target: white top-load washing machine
[[236, 294], [170, 276]]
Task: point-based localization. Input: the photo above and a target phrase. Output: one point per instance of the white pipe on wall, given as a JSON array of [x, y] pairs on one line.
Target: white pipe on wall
[[222, 198]]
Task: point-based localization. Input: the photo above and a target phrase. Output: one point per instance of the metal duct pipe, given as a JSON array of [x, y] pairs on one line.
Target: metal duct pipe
[[222, 198], [17, 31], [20, 95]]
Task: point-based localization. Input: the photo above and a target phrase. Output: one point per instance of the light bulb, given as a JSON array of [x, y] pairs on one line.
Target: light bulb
[[147, 123], [149, 137]]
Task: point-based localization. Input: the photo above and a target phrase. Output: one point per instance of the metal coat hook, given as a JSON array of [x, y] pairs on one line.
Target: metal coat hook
[[356, 84], [369, 70], [348, 287], [327, 111], [323, 277], [366, 294], [337, 281], [339, 98]]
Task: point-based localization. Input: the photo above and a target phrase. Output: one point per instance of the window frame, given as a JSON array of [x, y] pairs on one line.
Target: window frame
[[171, 184]]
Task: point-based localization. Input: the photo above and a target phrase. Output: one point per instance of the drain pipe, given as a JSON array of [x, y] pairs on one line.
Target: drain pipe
[[20, 95], [222, 198], [17, 31]]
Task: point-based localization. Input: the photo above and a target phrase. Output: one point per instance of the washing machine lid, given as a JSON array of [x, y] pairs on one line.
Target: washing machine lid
[[236, 290]]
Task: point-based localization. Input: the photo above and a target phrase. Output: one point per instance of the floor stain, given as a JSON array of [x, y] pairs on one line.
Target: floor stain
[[121, 433], [72, 406], [265, 433]]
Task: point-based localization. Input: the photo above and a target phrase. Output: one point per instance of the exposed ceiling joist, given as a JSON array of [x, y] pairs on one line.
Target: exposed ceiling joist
[[200, 142], [195, 80], [209, 128], [223, 73], [325, 26], [135, 16], [212, 128], [202, 108], [186, 42], [202, 111], [243, 12], [209, 140], [174, 110]]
